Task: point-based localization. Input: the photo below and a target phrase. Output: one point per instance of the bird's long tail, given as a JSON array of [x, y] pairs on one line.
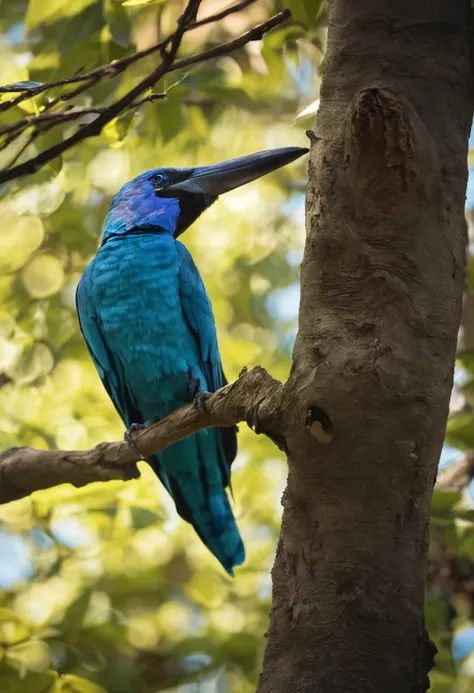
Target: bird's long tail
[[192, 472]]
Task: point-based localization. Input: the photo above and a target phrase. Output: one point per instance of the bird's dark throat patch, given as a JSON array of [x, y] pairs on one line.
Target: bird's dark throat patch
[[191, 206]]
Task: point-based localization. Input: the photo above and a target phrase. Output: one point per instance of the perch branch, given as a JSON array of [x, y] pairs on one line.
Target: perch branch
[[254, 397]]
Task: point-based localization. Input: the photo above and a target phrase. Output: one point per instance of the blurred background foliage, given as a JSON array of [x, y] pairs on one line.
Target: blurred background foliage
[[104, 588]]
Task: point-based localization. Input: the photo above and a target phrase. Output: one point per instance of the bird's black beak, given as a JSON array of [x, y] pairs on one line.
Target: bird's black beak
[[220, 178]]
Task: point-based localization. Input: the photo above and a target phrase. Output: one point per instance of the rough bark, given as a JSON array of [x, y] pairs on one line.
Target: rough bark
[[382, 284]]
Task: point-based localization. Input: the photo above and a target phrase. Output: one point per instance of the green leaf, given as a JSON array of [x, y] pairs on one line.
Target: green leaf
[[460, 431], [465, 359], [142, 517], [29, 683], [82, 27], [76, 612], [443, 503], [169, 113], [313, 9], [118, 22], [466, 514], [48, 140], [304, 11]]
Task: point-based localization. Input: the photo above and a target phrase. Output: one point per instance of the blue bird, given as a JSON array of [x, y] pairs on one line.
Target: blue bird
[[149, 327]]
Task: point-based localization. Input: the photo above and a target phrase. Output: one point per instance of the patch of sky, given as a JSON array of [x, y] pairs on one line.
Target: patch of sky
[[41, 541], [448, 456], [302, 73], [15, 564], [282, 304], [14, 34], [71, 532], [196, 662], [265, 589]]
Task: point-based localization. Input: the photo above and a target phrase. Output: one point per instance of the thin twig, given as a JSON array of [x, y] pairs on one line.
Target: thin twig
[[255, 34], [65, 115], [59, 116]]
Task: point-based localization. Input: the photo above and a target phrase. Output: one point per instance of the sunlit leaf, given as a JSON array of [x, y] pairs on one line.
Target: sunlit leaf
[[69, 683], [40, 12], [33, 655], [310, 110], [13, 630], [135, 3], [118, 128], [30, 682]]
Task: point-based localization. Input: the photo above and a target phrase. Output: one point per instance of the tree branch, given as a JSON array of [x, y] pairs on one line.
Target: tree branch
[[456, 476], [168, 64], [254, 397]]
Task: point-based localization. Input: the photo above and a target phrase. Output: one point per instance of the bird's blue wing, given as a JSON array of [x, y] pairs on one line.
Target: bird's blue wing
[[197, 309], [108, 367]]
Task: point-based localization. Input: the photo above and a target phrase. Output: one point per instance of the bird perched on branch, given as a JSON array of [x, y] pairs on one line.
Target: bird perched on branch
[[148, 324]]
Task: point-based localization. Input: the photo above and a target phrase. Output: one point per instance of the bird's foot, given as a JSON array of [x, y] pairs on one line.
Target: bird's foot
[[199, 397], [127, 436], [199, 400]]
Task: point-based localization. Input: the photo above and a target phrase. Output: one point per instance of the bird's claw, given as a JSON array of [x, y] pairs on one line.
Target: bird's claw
[[127, 436], [199, 400]]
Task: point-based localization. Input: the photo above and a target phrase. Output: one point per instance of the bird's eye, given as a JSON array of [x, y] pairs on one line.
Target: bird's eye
[[158, 179]]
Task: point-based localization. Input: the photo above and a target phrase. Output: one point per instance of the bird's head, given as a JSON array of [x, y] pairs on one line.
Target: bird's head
[[171, 199]]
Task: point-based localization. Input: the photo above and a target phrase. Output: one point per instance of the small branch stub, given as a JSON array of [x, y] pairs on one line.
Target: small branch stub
[[311, 135], [319, 425]]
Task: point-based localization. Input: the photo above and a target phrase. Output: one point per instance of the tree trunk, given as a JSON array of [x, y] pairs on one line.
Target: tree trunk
[[365, 407]]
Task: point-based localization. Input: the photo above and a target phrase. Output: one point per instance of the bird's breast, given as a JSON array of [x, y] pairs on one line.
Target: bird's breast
[[136, 297]]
